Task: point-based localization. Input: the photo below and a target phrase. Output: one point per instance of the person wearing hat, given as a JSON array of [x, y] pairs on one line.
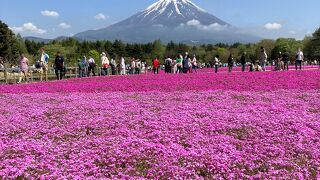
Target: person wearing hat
[[105, 64], [91, 67]]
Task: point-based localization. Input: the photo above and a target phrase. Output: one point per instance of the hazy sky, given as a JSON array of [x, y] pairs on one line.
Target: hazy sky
[[52, 18]]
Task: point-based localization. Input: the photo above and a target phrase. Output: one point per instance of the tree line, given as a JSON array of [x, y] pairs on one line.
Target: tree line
[[12, 45]]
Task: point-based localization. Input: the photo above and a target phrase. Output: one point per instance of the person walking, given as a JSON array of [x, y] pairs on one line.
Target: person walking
[[230, 63], [263, 58], [243, 61], [156, 65], [123, 66], [105, 64], [92, 66], [216, 63], [59, 66], [285, 60], [299, 59], [44, 61], [24, 66], [179, 64]]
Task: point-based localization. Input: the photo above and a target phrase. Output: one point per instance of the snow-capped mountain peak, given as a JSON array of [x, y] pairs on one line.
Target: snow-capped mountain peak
[[161, 6], [169, 20]]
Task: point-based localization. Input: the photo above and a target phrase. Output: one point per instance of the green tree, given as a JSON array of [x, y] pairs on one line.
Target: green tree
[[312, 49], [9, 45], [158, 49], [95, 55]]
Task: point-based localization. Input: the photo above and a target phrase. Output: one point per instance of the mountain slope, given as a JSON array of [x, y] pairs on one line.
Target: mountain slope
[[177, 20]]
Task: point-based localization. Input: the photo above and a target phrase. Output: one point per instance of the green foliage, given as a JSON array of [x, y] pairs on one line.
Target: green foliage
[[72, 50], [289, 44], [158, 50], [10, 46], [95, 55], [312, 45]]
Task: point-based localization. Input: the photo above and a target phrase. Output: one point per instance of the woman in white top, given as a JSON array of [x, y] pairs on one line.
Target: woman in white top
[[194, 64], [216, 63], [123, 66], [105, 64]]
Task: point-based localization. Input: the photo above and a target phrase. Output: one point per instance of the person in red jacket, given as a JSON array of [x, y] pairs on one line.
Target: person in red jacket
[[156, 65]]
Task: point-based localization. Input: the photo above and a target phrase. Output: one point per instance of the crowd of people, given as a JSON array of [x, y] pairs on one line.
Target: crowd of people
[[181, 64]]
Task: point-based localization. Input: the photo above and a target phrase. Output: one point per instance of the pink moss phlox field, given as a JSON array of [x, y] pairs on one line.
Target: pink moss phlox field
[[270, 81], [196, 126]]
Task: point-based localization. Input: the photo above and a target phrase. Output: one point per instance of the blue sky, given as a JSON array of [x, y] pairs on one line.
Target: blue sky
[[53, 18]]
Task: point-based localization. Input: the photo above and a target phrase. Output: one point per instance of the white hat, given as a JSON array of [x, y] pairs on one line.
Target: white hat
[[103, 53]]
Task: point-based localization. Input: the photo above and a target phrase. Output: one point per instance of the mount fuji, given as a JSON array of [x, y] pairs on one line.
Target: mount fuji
[[170, 20]]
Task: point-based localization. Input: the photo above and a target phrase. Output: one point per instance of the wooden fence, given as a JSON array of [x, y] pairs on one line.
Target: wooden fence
[[12, 75]]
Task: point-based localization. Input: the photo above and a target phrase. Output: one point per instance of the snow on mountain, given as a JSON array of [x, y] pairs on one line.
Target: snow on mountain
[[177, 20], [161, 7], [171, 13]]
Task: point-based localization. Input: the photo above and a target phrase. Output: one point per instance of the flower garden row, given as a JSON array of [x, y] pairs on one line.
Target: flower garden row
[[195, 126]]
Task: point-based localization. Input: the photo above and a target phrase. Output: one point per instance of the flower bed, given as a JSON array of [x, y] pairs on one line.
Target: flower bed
[[196, 126]]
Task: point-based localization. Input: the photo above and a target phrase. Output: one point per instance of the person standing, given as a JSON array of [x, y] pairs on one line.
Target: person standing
[[113, 65], [179, 64], [168, 65], [24, 66], [186, 64], [299, 59], [123, 66], [138, 66], [285, 60], [243, 61], [85, 66], [59, 65], [278, 62], [194, 64], [263, 58], [91, 67], [105, 64], [133, 66], [81, 68], [216, 63], [174, 66], [44, 61], [230, 63], [156, 65]]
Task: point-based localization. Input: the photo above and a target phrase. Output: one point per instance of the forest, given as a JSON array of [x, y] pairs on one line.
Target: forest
[[12, 45]]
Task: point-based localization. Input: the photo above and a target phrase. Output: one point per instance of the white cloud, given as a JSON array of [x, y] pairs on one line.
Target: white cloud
[[100, 16], [50, 13], [273, 26], [28, 28], [193, 22], [210, 27], [158, 25], [292, 32], [64, 25]]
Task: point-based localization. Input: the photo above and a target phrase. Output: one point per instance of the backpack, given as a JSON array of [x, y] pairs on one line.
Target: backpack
[[38, 64], [46, 58], [138, 64], [168, 63]]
